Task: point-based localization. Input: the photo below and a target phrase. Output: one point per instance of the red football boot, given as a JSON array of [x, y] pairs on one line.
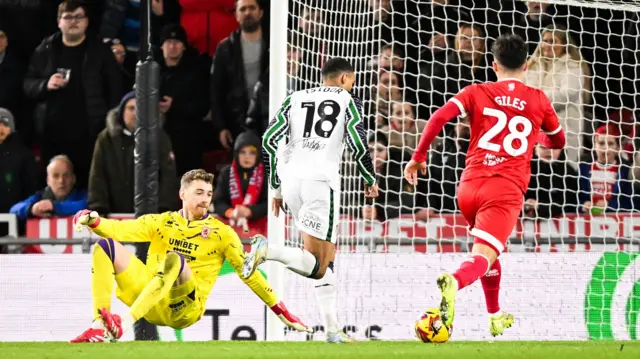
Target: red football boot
[[91, 335], [112, 323]]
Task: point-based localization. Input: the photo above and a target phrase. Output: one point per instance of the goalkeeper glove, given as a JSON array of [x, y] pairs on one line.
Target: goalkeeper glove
[[289, 319], [85, 217]]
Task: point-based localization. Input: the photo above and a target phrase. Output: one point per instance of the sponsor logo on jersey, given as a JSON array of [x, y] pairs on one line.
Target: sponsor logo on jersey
[[492, 160], [205, 232]]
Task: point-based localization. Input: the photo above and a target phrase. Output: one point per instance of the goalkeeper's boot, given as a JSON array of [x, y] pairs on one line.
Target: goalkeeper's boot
[[91, 335], [339, 337], [257, 256], [448, 287], [112, 323], [498, 323]]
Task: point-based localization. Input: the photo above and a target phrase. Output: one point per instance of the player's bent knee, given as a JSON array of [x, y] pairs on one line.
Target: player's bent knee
[[486, 250], [108, 245], [320, 273], [174, 260]]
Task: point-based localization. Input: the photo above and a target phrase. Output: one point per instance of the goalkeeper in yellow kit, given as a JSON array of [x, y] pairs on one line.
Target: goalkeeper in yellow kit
[[187, 249]]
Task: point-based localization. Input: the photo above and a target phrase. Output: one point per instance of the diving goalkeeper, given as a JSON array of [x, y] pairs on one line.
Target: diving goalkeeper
[[187, 249]]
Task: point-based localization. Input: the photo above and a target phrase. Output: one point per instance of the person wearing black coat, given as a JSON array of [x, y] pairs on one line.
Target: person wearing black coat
[[229, 95], [75, 80], [553, 190], [18, 173], [183, 97]]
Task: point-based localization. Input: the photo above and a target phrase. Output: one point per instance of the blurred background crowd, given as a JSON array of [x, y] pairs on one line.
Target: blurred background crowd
[[67, 106]]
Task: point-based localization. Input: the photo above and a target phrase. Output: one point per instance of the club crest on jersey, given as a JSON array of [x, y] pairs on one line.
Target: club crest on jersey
[[205, 232]]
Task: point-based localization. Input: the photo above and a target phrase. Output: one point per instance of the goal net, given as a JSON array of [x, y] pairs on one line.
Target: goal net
[[572, 258]]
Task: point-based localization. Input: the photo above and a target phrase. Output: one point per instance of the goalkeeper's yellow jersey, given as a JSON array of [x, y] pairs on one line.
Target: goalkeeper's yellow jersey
[[205, 244]]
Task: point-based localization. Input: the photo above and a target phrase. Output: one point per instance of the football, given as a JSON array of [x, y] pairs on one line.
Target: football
[[430, 329]]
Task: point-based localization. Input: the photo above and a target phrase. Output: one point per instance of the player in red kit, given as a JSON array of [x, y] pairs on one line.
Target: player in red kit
[[507, 118]]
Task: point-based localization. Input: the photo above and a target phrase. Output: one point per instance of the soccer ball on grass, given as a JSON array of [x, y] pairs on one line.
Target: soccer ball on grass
[[430, 328]]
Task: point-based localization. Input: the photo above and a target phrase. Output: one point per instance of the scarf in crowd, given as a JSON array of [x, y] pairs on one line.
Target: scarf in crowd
[[603, 178], [254, 189]]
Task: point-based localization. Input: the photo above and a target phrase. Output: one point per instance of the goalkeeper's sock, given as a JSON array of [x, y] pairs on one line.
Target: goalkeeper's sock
[[491, 287], [102, 275], [471, 269], [326, 295], [298, 260], [158, 287]]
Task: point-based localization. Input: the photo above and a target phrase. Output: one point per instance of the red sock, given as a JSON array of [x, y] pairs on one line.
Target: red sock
[[470, 270], [491, 287]]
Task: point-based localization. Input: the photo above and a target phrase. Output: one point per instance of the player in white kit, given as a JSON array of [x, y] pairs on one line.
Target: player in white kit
[[314, 123]]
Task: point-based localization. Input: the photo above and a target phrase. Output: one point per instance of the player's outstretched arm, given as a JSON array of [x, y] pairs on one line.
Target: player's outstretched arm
[[234, 253], [136, 230], [357, 141], [277, 128], [435, 124]]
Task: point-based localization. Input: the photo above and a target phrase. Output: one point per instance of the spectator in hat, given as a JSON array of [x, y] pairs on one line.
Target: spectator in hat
[[111, 180], [605, 179], [11, 75], [183, 97], [241, 195], [18, 173]]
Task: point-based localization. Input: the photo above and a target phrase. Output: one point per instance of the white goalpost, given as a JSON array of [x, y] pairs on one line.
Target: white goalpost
[[564, 263]]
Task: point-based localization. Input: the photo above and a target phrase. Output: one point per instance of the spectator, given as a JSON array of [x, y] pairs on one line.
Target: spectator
[[183, 92], [454, 69], [388, 91], [242, 192], [445, 168], [436, 27], [396, 196], [60, 197], [120, 54], [208, 22], [121, 20], [18, 174], [311, 37], [75, 80], [237, 66], [553, 190], [111, 180], [404, 130], [605, 184], [11, 76], [558, 69], [530, 18]]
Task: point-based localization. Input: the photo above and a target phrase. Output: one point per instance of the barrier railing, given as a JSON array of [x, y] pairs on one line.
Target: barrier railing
[[441, 233]]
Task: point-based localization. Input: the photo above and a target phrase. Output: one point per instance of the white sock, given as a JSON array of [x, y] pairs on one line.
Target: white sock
[[326, 295], [297, 260], [127, 322], [496, 314], [98, 324]]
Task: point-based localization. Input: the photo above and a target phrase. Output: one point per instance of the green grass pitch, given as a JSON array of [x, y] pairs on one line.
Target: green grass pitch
[[311, 350]]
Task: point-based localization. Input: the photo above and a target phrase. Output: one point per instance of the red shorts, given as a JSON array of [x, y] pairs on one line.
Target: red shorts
[[491, 207]]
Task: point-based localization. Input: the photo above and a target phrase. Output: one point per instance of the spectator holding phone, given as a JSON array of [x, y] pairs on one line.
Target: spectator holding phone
[[75, 80]]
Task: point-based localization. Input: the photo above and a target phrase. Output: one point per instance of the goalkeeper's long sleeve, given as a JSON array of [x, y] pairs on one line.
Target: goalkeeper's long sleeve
[[234, 253], [357, 141], [278, 127]]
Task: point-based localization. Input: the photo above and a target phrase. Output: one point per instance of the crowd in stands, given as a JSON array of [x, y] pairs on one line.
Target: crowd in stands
[[67, 102]]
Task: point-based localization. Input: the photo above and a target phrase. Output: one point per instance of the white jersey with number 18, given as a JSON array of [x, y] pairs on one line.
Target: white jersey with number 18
[[315, 123]]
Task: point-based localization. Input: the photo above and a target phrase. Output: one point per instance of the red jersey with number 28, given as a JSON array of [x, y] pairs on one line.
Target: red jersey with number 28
[[505, 119]]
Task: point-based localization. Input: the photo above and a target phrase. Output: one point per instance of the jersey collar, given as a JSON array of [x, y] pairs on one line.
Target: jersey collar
[[510, 79], [203, 218]]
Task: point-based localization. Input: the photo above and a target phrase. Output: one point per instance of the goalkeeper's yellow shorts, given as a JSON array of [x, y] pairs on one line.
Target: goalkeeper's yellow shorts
[[181, 308]]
